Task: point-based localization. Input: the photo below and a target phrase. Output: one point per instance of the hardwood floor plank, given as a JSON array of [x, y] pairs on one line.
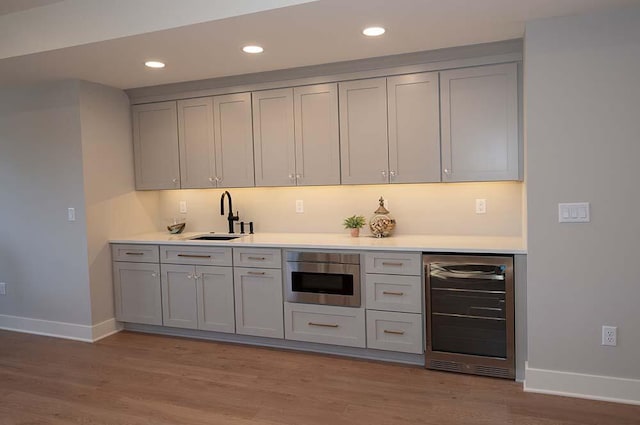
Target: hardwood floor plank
[[137, 379]]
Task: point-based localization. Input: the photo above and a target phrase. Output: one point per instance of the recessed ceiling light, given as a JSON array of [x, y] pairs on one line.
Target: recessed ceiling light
[[373, 31], [252, 49], [154, 64]]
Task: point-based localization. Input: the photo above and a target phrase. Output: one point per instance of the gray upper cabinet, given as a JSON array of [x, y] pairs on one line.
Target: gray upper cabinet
[[155, 145], [414, 128], [233, 140], [480, 123], [317, 139], [195, 131], [273, 137], [363, 131]]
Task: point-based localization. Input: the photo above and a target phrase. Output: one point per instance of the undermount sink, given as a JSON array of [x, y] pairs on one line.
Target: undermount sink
[[214, 238]]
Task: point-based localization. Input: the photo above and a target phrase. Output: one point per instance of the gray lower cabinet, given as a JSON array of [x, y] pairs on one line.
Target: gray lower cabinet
[[198, 297], [258, 302], [155, 146], [137, 291], [479, 122], [179, 296], [216, 310], [363, 131]]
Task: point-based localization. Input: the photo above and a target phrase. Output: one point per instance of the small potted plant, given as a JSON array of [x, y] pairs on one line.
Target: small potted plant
[[355, 222]]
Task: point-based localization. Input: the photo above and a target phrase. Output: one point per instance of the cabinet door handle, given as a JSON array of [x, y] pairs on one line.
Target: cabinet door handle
[[324, 325], [212, 180], [154, 274], [392, 293], [447, 171], [257, 273], [196, 276], [384, 174], [175, 180], [190, 276], [134, 253], [394, 332], [386, 263], [392, 174], [193, 256], [256, 258]]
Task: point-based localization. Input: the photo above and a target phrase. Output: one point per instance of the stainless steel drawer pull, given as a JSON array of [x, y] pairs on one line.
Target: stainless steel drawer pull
[[387, 263], [134, 253], [256, 273], [256, 258], [394, 332], [392, 293], [466, 316], [474, 291], [324, 325], [193, 256]]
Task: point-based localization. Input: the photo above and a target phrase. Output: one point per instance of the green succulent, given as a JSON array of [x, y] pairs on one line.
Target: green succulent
[[354, 222]]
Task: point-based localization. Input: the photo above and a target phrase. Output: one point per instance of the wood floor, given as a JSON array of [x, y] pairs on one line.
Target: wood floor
[[132, 378]]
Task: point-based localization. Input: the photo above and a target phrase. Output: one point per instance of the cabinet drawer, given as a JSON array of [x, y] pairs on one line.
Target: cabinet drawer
[[197, 255], [394, 293], [257, 257], [394, 331], [325, 324], [135, 253], [407, 263]]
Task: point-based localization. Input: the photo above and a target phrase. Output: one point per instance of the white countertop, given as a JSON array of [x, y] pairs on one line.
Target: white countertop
[[421, 243]]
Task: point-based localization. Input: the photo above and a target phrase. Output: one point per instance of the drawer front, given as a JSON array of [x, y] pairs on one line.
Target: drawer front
[[394, 331], [325, 324], [196, 255], [406, 263], [135, 253], [394, 293], [257, 257]]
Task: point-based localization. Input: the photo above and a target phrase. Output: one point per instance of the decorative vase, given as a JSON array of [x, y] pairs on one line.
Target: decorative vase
[[355, 232], [382, 223]]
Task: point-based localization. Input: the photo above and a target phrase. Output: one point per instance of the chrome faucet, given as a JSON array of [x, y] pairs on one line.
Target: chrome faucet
[[230, 218]]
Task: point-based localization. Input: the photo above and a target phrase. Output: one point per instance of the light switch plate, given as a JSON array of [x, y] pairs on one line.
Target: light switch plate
[[71, 214], [3, 288], [481, 206], [299, 206], [183, 207], [577, 212]]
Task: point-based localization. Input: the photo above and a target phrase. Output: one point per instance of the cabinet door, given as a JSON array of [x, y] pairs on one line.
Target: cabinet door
[[480, 123], [137, 293], [234, 140], [258, 299], [273, 137], [195, 131], [155, 145], [363, 131], [179, 296], [317, 135], [215, 299], [414, 128]]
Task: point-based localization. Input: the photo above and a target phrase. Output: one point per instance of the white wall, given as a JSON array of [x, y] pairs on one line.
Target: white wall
[[438, 209], [582, 78], [113, 207], [43, 257]]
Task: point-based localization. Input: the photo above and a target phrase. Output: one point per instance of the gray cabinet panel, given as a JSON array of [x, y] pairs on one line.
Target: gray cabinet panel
[[215, 299], [137, 293], [480, 123], [414, 128], [155, 145], [233, 140], [195, 130], [258, 300], [363, 131], [273, 137], [179, 296], [317, 140]]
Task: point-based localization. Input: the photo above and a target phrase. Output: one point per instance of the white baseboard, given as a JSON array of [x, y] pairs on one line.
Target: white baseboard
[[593, 387], [64, 330]]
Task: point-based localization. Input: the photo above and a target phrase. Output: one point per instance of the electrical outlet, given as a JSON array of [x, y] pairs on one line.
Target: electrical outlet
[[299, 206], [610, 335], [183, 207], [481, 206], [3, 288]]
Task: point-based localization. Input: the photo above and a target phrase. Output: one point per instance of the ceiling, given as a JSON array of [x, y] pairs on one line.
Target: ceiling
[[311, 33], [12, 6]]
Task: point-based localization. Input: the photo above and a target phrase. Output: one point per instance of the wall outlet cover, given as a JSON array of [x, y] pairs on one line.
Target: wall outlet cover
[[610, 335], [183, 207], [481, 206], [3, 288], [71, 214], [299, 206]]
